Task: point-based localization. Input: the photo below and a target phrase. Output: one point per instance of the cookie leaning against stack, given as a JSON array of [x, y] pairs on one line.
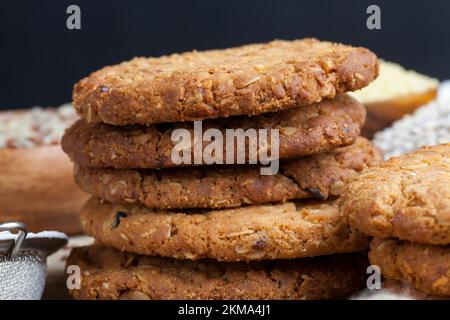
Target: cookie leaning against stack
[[144, 205], [405, 203]]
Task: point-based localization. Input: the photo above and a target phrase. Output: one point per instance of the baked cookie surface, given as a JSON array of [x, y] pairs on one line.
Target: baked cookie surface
[[258, 232], [107, 273], [246, 80], [319, 176], [405, 290], [303, 131], [407, 197], [425, 267]]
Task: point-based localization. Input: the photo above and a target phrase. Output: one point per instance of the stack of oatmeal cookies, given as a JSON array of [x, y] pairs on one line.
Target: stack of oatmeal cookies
[[404, 203], [170, 223]]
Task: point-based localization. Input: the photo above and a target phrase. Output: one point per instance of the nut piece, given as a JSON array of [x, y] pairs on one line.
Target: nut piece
[[250, 81], [288, 131], [260, 67], [134, 295]]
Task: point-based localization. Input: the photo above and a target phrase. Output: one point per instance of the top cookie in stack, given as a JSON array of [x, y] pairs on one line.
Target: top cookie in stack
[[225, 206], [246, 80]]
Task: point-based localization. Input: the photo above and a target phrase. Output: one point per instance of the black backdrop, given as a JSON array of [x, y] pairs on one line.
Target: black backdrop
[[41, 59]]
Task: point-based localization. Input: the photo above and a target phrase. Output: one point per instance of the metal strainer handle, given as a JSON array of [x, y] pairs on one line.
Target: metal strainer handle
[[22, 234]]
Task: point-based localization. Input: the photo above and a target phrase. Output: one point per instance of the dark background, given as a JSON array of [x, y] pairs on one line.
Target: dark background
[[41, 59]]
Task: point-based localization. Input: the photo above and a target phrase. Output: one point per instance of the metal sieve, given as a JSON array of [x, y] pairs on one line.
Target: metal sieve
[[23, 258]]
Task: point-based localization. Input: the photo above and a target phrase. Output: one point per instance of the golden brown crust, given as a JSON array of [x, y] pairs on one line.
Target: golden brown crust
[[37, 188], [425, 267], [407, 197], [258, 232], [303, 131], [109, 274], [318, 176], [245, 80]]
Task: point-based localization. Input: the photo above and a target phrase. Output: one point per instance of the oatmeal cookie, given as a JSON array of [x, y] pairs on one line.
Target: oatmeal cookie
[[257, 232], [303, 131], [246, 80], [407, 197], [404, 289], [109, 274], [319, 176], [425, 267]]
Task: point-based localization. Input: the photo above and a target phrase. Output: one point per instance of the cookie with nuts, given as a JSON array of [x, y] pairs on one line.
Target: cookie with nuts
[[320, 176], [407, 197], [425, 267], [246, 80], [258, 232], [304, 131], [107, 273]]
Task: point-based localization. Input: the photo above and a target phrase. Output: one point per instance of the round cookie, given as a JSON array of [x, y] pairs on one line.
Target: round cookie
[[425, 267], [318, 176], [303, 131], [258, 232], [246, 80], [109, 274], [407, 197]]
